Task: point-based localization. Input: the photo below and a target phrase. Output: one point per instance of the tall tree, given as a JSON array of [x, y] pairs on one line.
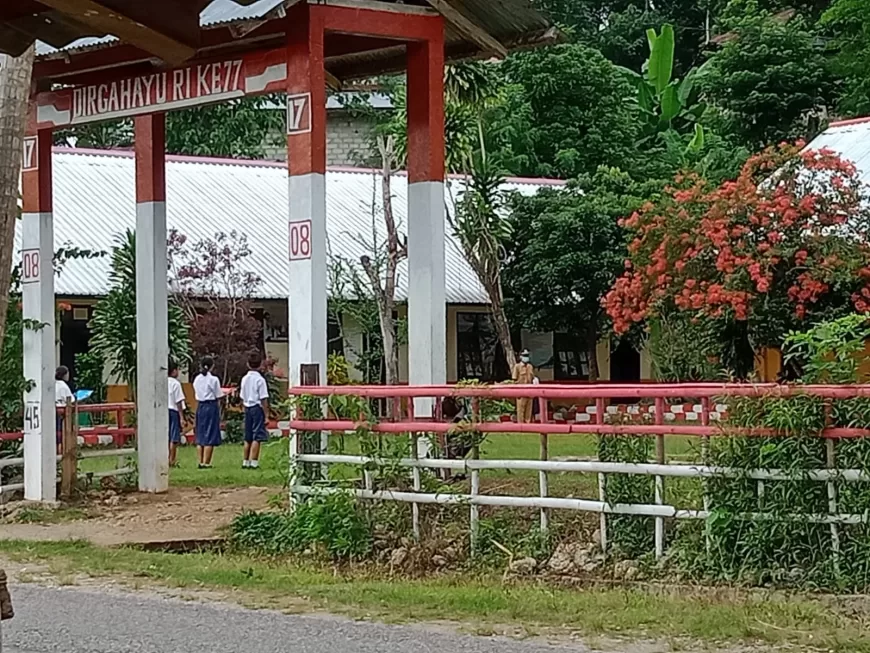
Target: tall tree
[[617, 28], [750, 259], [566, 113], [382, 270], [483, 231], [113, 325], [566, 251], [472, 92], [215, 289], [847, 24], [15, 75], [771, 80]]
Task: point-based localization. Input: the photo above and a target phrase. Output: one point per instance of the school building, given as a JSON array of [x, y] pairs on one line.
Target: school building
[[95, 202]]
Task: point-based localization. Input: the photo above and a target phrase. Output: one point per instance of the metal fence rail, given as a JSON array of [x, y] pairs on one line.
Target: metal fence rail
[[95, 441], [421, 414]]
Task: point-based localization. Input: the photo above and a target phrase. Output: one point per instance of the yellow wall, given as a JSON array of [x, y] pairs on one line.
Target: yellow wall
[[768, 365]]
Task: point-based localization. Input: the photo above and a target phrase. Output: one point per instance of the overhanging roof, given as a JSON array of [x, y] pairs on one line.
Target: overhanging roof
[[66, 46], [95, 201], [851, 140]]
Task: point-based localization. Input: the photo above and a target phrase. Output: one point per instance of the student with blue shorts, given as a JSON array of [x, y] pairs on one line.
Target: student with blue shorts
[[254, 393]]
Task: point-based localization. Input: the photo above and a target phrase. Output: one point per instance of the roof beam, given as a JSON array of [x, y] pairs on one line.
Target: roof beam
[[173, 42], [468, 28], [332, 82]]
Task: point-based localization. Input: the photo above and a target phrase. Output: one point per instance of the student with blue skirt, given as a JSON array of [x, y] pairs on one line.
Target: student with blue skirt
[[207, 389]]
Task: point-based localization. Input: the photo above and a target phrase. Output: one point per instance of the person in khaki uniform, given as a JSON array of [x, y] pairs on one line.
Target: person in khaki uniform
[[524, 374]]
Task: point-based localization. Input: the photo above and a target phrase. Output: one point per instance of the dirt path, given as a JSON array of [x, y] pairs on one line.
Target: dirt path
[[181, 514]]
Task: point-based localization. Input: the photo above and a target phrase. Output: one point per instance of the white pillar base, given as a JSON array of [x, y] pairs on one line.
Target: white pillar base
[[40, 448], [427, 317], [152, 347], [307, 302]]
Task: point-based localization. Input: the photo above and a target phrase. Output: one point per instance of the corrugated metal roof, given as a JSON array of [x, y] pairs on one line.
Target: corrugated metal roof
[[515, 23], [851, 140], [217, 13], [94, 202]]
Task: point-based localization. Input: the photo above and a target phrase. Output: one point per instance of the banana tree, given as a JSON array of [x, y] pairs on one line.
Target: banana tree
[[669, 106]]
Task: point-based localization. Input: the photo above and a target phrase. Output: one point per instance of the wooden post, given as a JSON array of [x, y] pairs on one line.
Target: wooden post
[[70, 445]]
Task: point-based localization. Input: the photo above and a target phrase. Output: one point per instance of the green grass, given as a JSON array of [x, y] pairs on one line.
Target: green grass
[[477, 602], [37, 515], [227, 471]]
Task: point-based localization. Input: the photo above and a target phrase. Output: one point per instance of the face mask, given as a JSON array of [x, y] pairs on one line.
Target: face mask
[[524, 359]]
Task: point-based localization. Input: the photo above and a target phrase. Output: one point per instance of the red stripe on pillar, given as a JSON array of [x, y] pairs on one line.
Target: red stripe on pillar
[[36, 172], [150, 139], [426, 110], [306, 90]]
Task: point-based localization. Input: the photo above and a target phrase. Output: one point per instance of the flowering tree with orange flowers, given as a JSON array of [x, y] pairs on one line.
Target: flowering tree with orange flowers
[[782, 246]]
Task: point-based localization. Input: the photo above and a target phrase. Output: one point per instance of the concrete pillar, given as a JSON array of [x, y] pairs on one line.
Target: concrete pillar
[[306, 163], [37, 271], [427, 321], [152, 336]]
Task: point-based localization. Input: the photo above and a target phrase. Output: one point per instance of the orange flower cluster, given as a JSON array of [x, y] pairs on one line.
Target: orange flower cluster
[[792, 225]]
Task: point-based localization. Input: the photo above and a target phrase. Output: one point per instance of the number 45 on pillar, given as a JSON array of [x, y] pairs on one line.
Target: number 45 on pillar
[[300, 240]]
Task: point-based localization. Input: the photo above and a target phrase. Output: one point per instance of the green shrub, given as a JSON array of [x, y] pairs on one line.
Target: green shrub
[[334, 524], [234, 427], [783, 548], [629, 535]]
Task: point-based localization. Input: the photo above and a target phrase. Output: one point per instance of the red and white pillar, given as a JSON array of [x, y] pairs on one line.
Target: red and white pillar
[[37, 270], [306, 161], [427, 321], [152, 320]]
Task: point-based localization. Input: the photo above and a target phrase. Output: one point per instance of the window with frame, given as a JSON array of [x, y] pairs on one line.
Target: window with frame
[[570, 358], [334, 339], [476, 347]]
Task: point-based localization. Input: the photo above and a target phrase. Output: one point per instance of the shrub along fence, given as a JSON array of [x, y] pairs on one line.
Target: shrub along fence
[[782, 477]]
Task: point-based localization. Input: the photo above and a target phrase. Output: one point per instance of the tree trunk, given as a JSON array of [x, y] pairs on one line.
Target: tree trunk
[[592, 350], [385, 292], [391, 349], [14, 97], [502, 328]]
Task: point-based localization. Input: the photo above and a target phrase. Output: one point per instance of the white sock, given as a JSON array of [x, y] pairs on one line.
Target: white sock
[[255, 463]]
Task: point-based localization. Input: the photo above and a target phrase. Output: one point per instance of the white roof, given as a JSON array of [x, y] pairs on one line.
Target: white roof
[[94, 202], [851, 140]]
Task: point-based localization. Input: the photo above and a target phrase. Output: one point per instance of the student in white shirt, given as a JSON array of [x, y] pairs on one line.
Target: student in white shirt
[[254, 394], [207, 389], [176, 413], [61, 394]]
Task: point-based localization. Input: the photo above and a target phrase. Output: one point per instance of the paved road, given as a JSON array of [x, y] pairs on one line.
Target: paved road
[[72, 620]]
